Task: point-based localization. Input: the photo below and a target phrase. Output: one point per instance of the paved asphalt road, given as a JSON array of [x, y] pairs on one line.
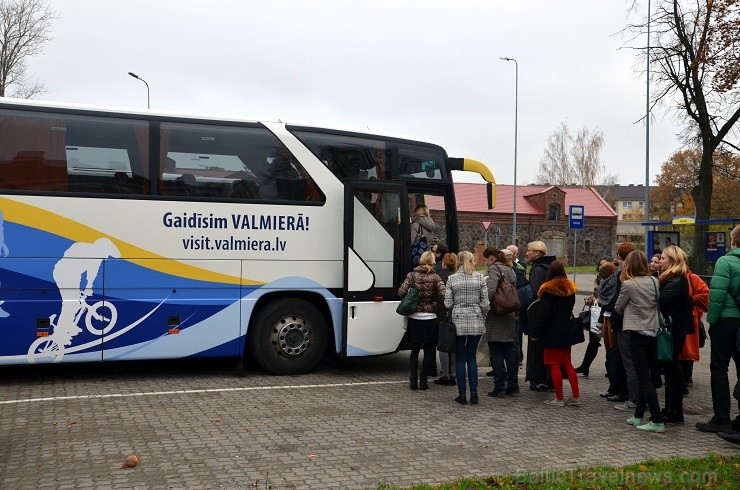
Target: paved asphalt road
[[350, 424]]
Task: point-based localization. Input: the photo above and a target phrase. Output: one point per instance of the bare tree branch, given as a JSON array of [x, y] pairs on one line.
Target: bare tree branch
[[25, 28], [574, 161]]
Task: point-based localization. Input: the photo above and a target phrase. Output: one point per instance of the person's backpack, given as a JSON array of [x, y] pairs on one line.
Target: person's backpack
[[506, 297], [609, 290], [608, 293], [418, 247], [521, 279]]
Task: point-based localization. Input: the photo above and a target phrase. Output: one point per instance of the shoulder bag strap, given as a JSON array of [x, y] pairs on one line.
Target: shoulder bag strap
[[657, 299], [500, 276]]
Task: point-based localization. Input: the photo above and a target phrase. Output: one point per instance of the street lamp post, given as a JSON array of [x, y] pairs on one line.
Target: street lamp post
[[147, 86], [646, 210], [516, 127]]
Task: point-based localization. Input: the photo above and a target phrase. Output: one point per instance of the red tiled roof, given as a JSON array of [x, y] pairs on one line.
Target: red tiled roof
[[472, 198]]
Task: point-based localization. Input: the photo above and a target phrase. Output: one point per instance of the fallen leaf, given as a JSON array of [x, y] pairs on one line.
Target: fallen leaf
[[643, 467], [130, 461]]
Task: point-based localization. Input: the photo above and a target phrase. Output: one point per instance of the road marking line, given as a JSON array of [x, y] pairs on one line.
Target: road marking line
[[188, 392]]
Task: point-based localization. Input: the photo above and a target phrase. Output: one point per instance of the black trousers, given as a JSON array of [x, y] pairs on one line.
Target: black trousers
[[642, 348], [674, 383], [615, 372], [430, 349], [724, 336], [592, 349]]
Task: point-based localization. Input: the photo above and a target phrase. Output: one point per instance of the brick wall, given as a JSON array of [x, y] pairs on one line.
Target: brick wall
[[600, 234]]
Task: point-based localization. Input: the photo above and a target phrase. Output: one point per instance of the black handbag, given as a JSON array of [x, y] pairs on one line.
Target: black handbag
[[446, 335], [576, 329], [702, 334]]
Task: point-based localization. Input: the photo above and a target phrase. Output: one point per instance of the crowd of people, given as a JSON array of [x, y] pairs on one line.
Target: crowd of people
[[634, 302]]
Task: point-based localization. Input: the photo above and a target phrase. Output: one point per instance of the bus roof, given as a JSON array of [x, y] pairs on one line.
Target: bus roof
[[193, 116]]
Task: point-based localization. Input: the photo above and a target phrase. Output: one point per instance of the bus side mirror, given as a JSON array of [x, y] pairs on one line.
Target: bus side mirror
[[491, 195]]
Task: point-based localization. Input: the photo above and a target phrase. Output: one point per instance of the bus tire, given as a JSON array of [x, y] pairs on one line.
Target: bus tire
[[288, 336]]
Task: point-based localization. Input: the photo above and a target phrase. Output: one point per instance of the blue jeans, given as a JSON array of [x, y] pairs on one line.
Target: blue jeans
[[504, 352], [642, 348], [465, 349]]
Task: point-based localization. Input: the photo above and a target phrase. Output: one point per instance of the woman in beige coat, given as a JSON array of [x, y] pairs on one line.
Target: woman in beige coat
[[501, 329], [638, 302]]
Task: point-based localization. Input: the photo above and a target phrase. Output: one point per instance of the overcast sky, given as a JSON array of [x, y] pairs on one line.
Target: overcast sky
[[424, 69]]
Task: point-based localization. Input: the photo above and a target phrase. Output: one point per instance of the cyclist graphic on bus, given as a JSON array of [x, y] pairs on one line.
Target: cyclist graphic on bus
[[79, 265]]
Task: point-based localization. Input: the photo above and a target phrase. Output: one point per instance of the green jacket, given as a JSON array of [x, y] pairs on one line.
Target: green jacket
[[726, 279]]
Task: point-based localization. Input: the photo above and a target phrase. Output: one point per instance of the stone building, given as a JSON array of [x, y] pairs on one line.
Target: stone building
[[542, 214]]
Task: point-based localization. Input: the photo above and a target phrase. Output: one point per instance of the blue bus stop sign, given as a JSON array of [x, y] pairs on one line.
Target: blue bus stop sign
[[575, 217]]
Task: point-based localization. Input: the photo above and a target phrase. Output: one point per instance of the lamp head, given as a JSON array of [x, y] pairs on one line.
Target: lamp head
[[133, 74]]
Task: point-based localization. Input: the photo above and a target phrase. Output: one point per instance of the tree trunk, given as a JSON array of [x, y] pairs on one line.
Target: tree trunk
[[702, 195]]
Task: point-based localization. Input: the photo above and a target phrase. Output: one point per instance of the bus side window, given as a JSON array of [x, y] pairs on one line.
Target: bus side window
[[231, 162], [349, 157]]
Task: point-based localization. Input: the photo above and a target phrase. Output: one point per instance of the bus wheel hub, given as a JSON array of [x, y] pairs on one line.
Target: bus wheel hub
[[291, 336]]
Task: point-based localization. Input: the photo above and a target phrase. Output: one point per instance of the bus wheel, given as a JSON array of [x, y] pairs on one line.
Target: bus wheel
[[288, 337]]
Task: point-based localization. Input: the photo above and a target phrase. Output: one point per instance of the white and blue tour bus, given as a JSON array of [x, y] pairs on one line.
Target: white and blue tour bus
[[131, 235]]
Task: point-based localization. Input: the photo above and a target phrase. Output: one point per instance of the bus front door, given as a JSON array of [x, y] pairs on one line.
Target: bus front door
[[373, 267]]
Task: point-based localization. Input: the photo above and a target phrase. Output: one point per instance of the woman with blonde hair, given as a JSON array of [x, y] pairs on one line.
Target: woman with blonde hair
[[423, 324], [676, 307], [638, 302], [699, 294], [422, 232], [467, 295]]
